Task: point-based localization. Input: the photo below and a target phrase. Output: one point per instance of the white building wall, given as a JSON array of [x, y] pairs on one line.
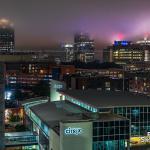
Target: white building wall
[[56, 85], [54, 139], [79, 139]]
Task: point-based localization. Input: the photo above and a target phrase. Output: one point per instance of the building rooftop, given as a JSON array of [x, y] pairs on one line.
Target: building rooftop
[[104, 117], [51, 115], [108, 99]]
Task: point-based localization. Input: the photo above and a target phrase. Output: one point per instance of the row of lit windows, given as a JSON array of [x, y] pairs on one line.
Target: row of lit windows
[[111, 123], [81, 104], [127, 51], [128, 55], [109, 145], [108, 138], [110, 131], [21, 139], [139, 116], [132, 109], [128, 58]]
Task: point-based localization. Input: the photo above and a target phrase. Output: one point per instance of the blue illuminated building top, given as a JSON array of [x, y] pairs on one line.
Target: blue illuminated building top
[[121, 43]]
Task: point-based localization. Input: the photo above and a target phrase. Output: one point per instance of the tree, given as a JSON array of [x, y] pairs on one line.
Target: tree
[[14, 118], [20, 128]]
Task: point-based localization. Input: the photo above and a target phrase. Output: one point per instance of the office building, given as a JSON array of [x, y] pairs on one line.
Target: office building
[[124, 52], [96, 82], [23, 77], [139, 82], [44, 55], [7, 37], [84, 48], [103, 72], [138, 67], [69, 52], [135, 107], [59, 129]]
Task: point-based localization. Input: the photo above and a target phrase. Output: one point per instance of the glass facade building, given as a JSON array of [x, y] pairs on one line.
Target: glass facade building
[[20, 139], [111, 135], [84, 48], [139, 117], [102, 131]]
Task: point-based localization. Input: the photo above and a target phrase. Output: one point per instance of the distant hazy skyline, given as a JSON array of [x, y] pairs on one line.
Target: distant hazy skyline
[[46, 23]]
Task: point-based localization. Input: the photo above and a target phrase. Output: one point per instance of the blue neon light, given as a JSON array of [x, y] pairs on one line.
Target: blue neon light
[[116, 43], [122, 43]]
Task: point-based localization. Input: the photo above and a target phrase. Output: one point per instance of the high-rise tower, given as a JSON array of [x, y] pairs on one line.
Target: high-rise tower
[[7, 38], [84, 48]]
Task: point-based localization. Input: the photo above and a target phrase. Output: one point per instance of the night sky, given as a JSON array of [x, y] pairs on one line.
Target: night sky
[[46, 23]]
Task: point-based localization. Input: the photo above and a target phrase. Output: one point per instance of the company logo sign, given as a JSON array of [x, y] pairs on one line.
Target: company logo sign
[[58, 86], [73, 131]]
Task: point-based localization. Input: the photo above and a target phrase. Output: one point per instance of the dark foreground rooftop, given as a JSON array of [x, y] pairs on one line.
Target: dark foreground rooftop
[[108, 99], [52, 115]]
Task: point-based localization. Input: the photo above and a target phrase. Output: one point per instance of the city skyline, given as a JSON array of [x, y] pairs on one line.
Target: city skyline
[[74, 75], [46, 24]]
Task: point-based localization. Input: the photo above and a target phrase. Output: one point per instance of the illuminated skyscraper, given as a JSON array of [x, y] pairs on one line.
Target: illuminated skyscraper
[[69, 52], [7, 42], [124, 52], [84, 48]]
